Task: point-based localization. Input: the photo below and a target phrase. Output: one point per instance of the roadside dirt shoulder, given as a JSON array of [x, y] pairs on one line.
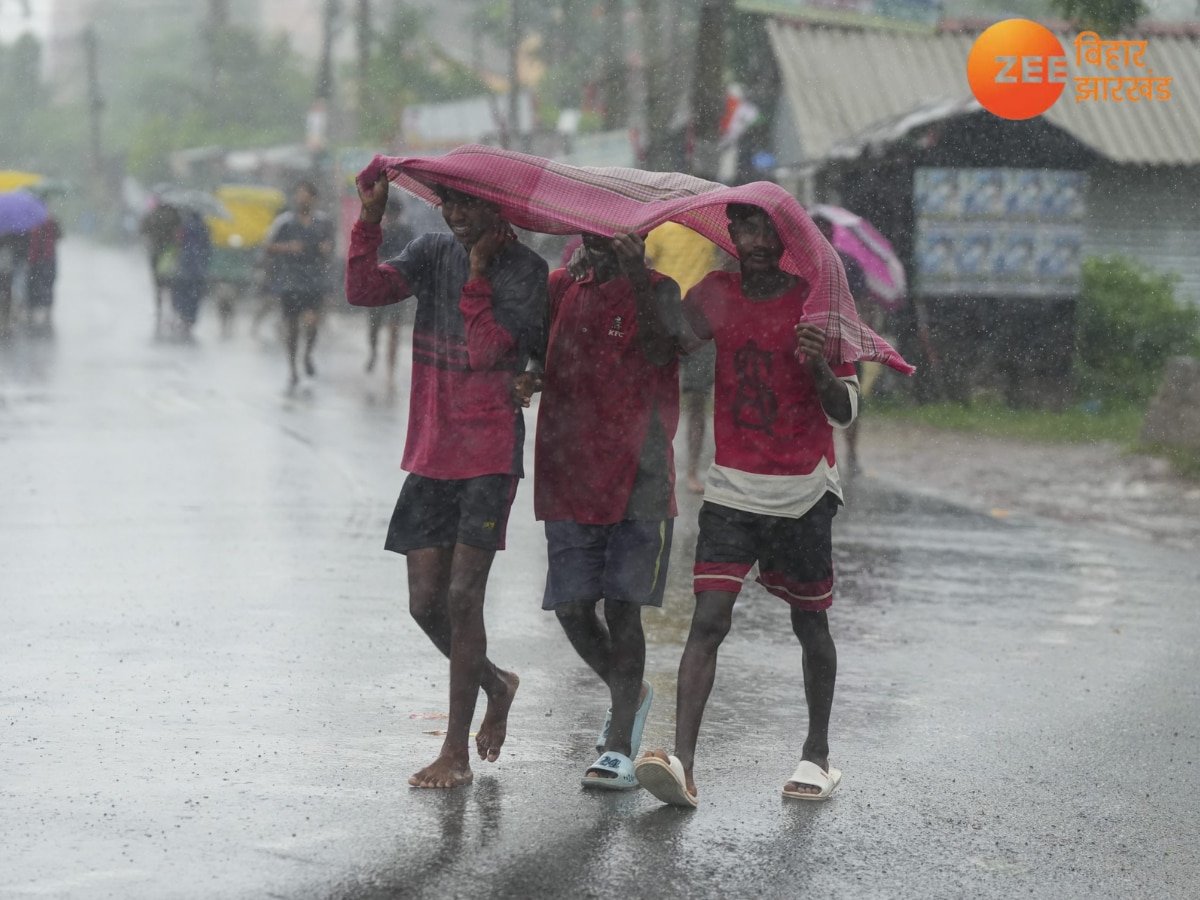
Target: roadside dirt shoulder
[[1095, 484]]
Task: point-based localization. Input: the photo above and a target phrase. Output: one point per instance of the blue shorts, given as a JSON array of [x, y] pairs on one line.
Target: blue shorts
[[625, 562]]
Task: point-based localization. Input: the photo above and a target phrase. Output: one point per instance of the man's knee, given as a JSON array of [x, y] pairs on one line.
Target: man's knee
[[624, 619], [422, 604], [810, 627], [576, 618], [712, 620], [463, 601]]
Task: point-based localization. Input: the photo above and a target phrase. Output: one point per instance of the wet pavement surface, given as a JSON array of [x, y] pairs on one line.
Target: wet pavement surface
[[210, 687]]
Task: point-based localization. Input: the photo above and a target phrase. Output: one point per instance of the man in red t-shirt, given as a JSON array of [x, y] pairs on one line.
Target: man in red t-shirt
[[771, 493], [481, 298], [604, 472]]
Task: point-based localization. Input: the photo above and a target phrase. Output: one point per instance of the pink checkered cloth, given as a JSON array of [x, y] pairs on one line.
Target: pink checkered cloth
[[549, 197]]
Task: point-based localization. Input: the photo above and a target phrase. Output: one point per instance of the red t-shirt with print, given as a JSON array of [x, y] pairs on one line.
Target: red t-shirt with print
[[767, 415]]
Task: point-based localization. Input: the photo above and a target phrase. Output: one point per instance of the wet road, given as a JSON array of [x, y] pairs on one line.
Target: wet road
[[209, 686]]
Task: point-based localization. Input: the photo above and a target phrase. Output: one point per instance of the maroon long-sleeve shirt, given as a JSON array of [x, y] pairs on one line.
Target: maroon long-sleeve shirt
[[470, 337]]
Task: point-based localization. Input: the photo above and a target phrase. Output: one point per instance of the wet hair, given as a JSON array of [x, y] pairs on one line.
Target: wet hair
[[308, 185], [448, 193], [740, 212]]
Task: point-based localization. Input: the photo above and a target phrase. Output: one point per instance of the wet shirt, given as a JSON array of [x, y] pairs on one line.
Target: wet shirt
[[470, 337], [608, 415], [774, 441], [305, 271]]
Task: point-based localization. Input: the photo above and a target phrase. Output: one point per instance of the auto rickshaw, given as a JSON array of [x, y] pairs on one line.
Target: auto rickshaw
[[234, 271]]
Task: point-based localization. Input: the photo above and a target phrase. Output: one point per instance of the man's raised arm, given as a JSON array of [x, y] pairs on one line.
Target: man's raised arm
[[367, 282]]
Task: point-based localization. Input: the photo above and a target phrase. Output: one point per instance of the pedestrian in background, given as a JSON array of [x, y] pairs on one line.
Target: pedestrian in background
[[298, 249], [42, 271], [396, 236], [481, 302], [685, 256], [856, 279], [160, 227], [191, 276], [12, 249]]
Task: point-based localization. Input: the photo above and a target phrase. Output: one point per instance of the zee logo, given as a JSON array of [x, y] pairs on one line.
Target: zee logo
[[1032, 70]]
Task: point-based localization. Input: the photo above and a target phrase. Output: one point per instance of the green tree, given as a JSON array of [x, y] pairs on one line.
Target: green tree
[[1129, 323], [1107, 17], [22, 97], [261, 96], [404, 68]]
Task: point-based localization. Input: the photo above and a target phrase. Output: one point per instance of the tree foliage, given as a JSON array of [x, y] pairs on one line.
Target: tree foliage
[[1106, 17], [404, 68], [22, 97], [248, 92], [1129, 324]]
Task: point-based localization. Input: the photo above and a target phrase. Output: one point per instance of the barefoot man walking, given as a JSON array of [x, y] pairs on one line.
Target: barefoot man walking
[[481, 300]]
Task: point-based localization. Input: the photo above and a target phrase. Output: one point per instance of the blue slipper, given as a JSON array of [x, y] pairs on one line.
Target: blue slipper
[[639, 724], [620, 777]]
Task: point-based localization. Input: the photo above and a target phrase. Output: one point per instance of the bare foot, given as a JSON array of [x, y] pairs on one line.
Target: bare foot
[[444, 772], [494, 727], [694, 484]]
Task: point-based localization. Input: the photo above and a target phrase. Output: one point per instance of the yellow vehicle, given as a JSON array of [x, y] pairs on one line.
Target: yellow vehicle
[[12, 180], [236, 241]]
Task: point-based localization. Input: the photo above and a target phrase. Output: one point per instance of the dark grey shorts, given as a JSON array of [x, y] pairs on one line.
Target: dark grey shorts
[[435, 512], [625, 562]]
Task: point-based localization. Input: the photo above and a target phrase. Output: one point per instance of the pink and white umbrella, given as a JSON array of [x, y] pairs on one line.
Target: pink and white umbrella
[[856, 237]]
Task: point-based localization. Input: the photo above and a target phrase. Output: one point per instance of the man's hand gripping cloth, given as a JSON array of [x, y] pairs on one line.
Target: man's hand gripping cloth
[[553, 198]]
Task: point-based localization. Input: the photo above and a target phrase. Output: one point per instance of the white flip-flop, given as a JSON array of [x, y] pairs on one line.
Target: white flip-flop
[[665, 780], [810, 774]]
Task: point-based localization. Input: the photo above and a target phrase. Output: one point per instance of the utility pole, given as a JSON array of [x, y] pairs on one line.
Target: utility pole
[[317, 125], [613, 94], [95, 101], [708, 89], [325, 73], [512, 131], [218, 21], [363, 23]]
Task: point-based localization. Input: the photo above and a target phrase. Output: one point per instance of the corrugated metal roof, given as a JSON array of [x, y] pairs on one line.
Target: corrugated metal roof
[[843, 82]]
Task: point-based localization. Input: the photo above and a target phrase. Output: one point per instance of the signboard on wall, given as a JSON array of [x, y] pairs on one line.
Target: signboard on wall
[[998, 232]]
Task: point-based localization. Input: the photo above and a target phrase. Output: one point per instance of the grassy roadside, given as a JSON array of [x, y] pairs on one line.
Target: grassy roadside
[[1073, 426], [1117, 424]]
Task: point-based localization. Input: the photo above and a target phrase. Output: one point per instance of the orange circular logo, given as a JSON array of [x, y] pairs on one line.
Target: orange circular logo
[[1017, 69]]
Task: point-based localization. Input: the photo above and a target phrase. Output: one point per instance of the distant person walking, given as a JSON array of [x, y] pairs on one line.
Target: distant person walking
[[856, 279], [160, 227], [298, 249], [685, 256], [13, 248], [191, 277], [396, 236], [42, 271]]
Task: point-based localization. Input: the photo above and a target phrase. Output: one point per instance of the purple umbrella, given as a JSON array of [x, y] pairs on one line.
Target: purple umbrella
[[20, 211]]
